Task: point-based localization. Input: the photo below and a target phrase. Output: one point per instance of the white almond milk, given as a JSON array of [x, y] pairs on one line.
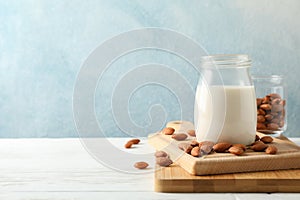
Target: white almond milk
[[226, 113]]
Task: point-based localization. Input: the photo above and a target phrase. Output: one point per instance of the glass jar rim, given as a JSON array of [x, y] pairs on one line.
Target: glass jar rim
[[267, 76], [226, 61]]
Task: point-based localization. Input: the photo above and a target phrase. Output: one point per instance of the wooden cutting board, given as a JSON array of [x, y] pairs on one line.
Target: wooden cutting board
[[288, 156], [176, 179], [217, 172]]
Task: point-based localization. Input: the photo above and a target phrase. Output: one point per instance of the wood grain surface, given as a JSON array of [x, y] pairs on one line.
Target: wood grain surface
[[288, 157], [175, 179]]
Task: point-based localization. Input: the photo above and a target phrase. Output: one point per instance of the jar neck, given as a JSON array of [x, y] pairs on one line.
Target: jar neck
[[231, 70], [226, 61]]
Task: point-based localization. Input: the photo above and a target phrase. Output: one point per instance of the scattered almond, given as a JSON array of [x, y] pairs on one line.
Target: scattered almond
[[266, 139], [242, 146], [191, 133], [195, 151], [271, 150], [236, 150], [160, 154], [164, 161], [206, 147], [168, 131], [179, 136], [221, 147], [259, 147], [134, 141], [128, 145], [141, 165]]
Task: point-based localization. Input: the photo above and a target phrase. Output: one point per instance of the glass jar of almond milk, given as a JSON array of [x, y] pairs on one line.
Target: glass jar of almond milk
[[225, 102]]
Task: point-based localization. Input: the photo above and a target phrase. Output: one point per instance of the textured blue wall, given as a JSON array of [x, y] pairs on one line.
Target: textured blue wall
[[44, 43]]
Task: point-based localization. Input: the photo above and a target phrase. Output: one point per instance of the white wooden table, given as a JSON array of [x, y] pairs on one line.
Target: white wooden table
[[63, 169]]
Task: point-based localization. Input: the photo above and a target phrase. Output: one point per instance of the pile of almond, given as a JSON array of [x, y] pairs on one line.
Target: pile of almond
[[198, 149], [270, 113]]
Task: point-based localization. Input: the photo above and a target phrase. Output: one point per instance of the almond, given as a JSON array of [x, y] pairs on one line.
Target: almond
[[183, 145], [259, 147], [273, 126], [189, 149], [168, 131], [266, 99], [221, 147], [179, 136], [236, 150], [164, 161], [206, 146], [276, 101], [261, 112], [277, 108], [261, 126], [141, 165], [134, 141], [260, 119], [242, 146], [128, 145], [160, 154], [281, 123], [269, 117], [282, 102], [266, 139], [195, 152], [271, 150], [191, 133], [265, 106]]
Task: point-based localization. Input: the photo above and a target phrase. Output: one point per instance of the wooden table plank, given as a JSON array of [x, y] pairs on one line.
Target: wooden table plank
[[63, 169]]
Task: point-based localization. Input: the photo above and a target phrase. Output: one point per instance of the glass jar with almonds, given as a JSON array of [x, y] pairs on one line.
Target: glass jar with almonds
[[271, 104]]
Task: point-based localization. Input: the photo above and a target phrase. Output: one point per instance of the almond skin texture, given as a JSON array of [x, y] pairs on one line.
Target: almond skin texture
[[259, 147], [265, 106], [269, 117], [266, 139], [206, 146], [261, 112], [261, 126], [160, 154], [164, 161], [141, 165], [271, 150], [168, 131], [179, 136], [191, 133], [242, 146], [273, 126], [128, 145], [134, 141], [221, 147], [260, 119], [183, 146], [236, 150], [195, 152], [189, 149]]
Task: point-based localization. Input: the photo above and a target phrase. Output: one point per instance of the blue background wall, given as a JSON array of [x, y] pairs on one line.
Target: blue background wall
[[44, 43]]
